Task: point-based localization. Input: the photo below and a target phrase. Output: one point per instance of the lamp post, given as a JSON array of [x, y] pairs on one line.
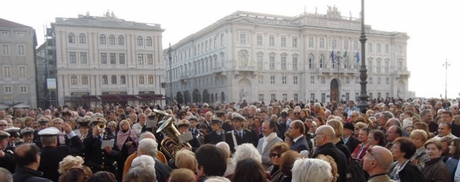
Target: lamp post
[[446, 64], [363, 105], [170, 74]]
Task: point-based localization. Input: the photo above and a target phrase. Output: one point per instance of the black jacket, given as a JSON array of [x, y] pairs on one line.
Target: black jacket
[[7, 161], [214, 138], [352, 143], [300, 144], [409, 173], [23, 174], [248, 137], [162, 171], [338, 156], [98, 159]]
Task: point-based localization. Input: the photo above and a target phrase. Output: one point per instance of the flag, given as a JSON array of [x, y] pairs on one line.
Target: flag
[[345, 55], [332, 56], [357, 57]]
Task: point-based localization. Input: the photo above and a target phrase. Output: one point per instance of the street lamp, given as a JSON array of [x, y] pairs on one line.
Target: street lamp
[[363, 105], [170, 74], [446, 64]]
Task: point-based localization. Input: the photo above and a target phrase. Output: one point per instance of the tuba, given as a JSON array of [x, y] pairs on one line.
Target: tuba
[[171, 144]]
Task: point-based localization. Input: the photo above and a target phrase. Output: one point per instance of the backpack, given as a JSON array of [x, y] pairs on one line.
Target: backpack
[[355, 171]]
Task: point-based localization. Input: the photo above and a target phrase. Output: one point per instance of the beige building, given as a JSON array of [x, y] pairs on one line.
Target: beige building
[[108, 60], [262, 57], [17, 63]]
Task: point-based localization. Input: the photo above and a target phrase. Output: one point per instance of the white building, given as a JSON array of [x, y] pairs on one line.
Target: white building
[[17, 63], [108, 60], [253, 56]]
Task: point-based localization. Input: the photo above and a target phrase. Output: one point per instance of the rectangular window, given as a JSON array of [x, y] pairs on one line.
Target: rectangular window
[[370, 81], [22, 71], [150, 59], [261, 79], [356, 80], [387, 48], [378, 48], [8, 89], [284, 80], [242, 38], [272, 62], [379, 80], [260, 62], [273, 97], [371, 96], [285, 97], [121, 58], [296, 97], [295, 80], [103, 58], [379, 95], [345, 44], [323, 80], [387, 95], [387, 66], [311, 43], [6, 49], [347, 96], [6, 71], [294, 41], [323, 97], [21, 50], [283, 41], [259, 40], [272, 80], [261, 97], [294, 63], [272, 40], [140, 59], [355, 45], [312, 96], [73, 57], [312, 79], [23, 89], [283, 63], [347, 80], [83, 58], [369, 47], [387, 81], [113, 58], [321, 42], [356, 95], [334, 44]]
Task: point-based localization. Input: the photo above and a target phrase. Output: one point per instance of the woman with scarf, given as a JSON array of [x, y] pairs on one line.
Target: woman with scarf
[[403, 169], [275, 155], [127, 142]]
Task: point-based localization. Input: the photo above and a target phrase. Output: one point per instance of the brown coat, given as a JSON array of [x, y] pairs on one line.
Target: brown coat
[[435, 170]]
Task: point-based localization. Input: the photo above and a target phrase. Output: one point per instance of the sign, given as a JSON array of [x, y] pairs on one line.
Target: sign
[[51, 83], [146, 92]]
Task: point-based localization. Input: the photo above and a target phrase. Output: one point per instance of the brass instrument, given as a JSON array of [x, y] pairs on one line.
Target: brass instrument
[[101, 125], [171, 144]]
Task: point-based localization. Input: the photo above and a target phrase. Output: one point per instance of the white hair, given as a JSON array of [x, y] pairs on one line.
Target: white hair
[[143, 160], [244, 151], [142, 169], [225, 147], [311, 169], [149, 146]]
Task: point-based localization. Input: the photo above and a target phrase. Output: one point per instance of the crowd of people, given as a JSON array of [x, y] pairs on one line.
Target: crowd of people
[[393, 140]]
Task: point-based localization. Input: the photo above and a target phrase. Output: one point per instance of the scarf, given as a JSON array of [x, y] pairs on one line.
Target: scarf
[[123, 136], [268, 139]]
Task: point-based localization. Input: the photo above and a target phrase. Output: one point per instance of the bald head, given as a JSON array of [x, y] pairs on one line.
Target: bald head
[[383, 157], [325, 134]]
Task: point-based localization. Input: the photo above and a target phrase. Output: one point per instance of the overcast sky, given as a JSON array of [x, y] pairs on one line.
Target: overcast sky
[[430, 24]]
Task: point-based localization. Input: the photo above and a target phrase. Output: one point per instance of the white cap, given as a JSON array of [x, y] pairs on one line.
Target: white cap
[[12, 129], [50, 131]]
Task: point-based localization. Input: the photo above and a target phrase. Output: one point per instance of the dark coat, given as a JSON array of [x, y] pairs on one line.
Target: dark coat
[[162, 171], [436, 170], [248, 137], [23, 174], [455, 129], [7, 161], [409, 173], [338, 156], [98, 159], [214, 138], [352, 143], [300, 144]]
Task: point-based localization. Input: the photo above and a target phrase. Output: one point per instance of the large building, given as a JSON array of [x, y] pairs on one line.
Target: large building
[[103, 60], [46, 73], [17, 62], [262, 57]]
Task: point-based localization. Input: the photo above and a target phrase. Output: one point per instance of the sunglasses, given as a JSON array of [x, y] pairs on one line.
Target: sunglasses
[[2, 125], [275, 155]]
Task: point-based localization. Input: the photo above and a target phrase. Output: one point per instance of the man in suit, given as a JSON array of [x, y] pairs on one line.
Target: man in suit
[[347, 136], [6, 155], [448, 118], [238, 135], [265, 144], [296, 131], [325, 136]]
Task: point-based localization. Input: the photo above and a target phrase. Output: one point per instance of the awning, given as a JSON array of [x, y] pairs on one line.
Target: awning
[[21, 106], [3, 106], [89, 98]]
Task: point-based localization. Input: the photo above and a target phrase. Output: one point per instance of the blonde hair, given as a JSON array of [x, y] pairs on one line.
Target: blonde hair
[[122, 122], [420, 133], [68, 163], [186, 159]]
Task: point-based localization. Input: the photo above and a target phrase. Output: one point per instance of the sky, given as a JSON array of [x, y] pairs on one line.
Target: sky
[[430, 25]]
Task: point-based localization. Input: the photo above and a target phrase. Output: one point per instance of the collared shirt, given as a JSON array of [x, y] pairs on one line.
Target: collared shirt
[[345, 140], [295, 140]]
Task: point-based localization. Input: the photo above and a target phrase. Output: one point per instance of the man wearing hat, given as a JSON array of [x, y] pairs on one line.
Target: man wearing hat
[[14, 137], [347, 136], [83, 127], [52, 154], [225, 125], [6, 155], [217, 135], [43, 123], [193, 122], [183, 126], [27, 135], [238, 135]]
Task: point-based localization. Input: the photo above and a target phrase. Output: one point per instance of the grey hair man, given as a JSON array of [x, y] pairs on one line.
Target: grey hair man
[[148, 146]]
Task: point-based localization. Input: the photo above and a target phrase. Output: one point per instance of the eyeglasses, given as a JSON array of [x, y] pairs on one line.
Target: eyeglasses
[[2, 125], [369, 151], [275, 155]]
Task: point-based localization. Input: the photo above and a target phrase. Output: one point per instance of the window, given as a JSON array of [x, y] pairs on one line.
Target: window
[[261, 97], [149, 41], [379, 80], [6, 49], [284, 96], [84, 80], [387, 95], [222, 40], [321, 42], [140, 42], [378, 48], [8, 89], [23, 89], [272, 40], [105, 80], [323, 80], [21, 51], [112, 40], [369, 47], [259, 40], [371, 96], [71, 38], [284, 80], [242, 38], [355, 45], [283, 62], [260, 62], [140, 59], [379, 95], [73, 80], [102, 39], [345, 44], [283, 41], [122, 79], [356, 95], [294, 63], [370, 81], [141, 79], [347, 80], [121, 40], [261, 79], [321, 61], [370, 65], [22, 71], [387, 48], [150, 59], [323, 97], [272, 80], [295, 78], [73, 57], [103, 58], [400, 64], [83, 58], [6, 71], [113, 58], [121, 58], [378, 66], [387, 81], [113, 80], [150, 79], [334, 44], [347, 96], [356, 80], [4, 34], [294, 41], [311, 42], [312, 79], [273, 96], [312, 96], [272, 62], [82, 38], [311, 61], [296, 97]]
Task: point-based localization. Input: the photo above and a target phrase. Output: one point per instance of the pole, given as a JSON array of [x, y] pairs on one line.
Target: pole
[[363, 105], [170, 74], [446, 64]]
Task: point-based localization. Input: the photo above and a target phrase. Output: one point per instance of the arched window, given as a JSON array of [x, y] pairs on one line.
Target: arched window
[[141, 79], [321, 61], [104, 79], [112, 40], [140, 42], [121, 40], [311, 61], [102, 39], [150, 79], [149, 41], [73, 80], [113, 79], [123, 79], [84, 80], [82, 38], [71, 38]]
